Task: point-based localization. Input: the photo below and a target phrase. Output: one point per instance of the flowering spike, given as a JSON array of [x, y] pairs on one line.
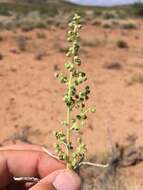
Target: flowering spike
[[75, 100]]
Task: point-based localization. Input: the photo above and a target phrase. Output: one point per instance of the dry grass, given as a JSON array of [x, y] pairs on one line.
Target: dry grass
[[92, 42], [122, 44], [113, 66], [41, 35], [1, 56], [22, 43], [113, 177], [40, 55], [136, 79]]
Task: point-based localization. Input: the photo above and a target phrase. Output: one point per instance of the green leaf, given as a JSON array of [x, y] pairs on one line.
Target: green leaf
[[75, 127], [64, 123], [93, 110]]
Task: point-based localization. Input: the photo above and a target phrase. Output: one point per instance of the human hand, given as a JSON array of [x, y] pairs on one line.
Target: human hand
[[31, 161]]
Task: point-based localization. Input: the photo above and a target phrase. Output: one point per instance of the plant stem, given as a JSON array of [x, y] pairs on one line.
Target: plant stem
[[94, 164], [69, 122]]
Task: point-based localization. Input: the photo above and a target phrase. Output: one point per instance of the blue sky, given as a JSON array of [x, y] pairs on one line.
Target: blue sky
[[105, 2]]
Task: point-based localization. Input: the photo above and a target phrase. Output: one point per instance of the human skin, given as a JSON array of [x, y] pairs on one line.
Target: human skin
[[32, 161]]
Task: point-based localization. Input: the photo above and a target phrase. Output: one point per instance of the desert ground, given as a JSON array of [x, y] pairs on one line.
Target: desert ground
[[31, 106]]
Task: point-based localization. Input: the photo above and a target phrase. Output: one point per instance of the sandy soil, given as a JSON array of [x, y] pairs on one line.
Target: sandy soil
[[31, 104]]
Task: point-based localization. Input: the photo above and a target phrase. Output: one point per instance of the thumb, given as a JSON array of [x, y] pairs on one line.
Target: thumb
[[43, 186], [59, 180]]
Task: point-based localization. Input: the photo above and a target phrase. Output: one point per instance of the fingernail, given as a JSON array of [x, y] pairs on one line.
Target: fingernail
[[67, 180]]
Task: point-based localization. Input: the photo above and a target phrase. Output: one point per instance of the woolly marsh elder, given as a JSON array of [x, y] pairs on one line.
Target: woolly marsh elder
[[75, 99]]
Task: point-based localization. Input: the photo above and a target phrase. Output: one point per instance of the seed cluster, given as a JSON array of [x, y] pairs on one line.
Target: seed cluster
[[75, 101]]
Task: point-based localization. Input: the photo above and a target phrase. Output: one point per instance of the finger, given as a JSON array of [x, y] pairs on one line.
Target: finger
[[25, 162], [67, 179], [60, 180], [24, 146]]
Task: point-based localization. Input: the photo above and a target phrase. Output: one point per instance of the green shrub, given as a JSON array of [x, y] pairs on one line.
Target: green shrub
[[110, 14], [24, 9], [41, 25], [138, 9], [96, 22], [129, 26], [107, 25], [27, 27]]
